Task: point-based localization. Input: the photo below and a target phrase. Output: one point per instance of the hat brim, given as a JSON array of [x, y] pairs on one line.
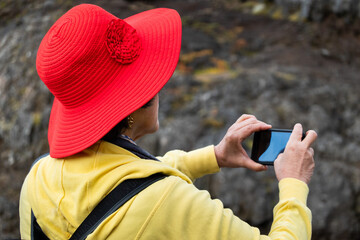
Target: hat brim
[[72, 130]]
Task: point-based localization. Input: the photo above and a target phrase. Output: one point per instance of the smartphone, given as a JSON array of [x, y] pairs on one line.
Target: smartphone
[[268, 144]]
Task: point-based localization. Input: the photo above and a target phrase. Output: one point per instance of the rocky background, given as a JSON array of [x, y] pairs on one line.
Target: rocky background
[[285, 61]]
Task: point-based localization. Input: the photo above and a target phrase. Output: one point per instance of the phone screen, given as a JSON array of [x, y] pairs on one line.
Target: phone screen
[[269, 144]]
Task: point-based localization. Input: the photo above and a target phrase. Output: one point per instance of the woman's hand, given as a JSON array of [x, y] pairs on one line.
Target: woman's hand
[[230, 152], [297, 161]]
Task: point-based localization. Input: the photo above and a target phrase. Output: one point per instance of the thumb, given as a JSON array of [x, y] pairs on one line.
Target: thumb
[[250, 164]]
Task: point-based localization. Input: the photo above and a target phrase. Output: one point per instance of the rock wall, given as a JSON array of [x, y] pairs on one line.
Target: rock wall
[[298, 10], [231, 63], [319, 9]]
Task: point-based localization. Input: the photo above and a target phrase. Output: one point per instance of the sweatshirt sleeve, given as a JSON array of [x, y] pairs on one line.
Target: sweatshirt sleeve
[[292, 219], [195, 163], [200, 217]]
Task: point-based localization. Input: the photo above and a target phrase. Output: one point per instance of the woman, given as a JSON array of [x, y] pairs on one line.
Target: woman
[[105, 74]]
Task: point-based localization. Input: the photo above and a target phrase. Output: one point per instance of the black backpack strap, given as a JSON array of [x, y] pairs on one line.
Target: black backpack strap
[[36, 231], [113, 201]]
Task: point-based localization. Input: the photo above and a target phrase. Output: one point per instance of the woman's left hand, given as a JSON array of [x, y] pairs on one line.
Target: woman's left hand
[[230, 152]]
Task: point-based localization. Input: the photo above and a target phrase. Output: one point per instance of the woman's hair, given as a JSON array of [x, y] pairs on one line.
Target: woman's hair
[[122, 125]]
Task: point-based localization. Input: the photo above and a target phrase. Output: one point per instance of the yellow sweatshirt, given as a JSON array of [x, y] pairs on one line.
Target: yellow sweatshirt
[[62, 192]]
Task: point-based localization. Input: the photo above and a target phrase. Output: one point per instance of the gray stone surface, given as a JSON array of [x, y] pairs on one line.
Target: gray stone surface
[[281, 72]]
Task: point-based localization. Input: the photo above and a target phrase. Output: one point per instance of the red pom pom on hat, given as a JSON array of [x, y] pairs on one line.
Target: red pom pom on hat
[[122, 41]]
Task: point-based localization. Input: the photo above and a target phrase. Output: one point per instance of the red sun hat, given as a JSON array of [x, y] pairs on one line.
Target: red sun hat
[[101, 69]]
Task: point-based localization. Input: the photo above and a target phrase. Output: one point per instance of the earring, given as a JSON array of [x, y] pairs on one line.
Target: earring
[[130, 121]]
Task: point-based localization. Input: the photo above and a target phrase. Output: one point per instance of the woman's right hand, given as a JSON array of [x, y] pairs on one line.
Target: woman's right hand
[[297, 161], [230, 152]]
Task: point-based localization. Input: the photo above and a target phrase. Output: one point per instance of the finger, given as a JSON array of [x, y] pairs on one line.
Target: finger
[[311, 136], [244, 123], [236, 127], [296, 134], [247, 122], [245, 117], [248, 129], [250, 164]]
